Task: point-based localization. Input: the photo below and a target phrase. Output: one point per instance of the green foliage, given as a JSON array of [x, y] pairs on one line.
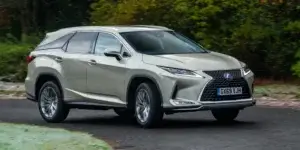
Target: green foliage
[[294, 29], [24, 17], [265, 36], [13, 59], [296, 67]]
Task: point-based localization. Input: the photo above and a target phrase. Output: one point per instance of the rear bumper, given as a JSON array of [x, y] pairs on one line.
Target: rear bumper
[[210, 105]]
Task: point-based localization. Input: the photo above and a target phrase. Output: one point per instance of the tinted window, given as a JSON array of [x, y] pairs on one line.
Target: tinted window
[[82, 42], [58, 43], [161, 42], [106, 41]]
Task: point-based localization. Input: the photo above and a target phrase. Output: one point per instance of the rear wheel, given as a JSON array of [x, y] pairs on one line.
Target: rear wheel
[[148, 110], [225, 115], [50, 103]]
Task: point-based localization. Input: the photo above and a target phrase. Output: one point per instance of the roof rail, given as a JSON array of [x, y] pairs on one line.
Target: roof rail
[[150, 26]]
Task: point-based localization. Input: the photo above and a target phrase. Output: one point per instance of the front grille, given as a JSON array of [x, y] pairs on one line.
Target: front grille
[[218, 81]]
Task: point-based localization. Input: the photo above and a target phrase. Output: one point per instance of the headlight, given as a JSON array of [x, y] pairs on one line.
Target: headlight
[[178, 71], [245, 68]]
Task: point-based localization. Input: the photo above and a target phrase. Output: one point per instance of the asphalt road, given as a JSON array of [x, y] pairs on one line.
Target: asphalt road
[[257, 128]]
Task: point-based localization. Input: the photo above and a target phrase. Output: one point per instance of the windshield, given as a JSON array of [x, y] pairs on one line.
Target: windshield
[[161, 42]]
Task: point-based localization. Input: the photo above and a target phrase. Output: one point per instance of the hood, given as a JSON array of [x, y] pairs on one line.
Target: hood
[[198, 61]]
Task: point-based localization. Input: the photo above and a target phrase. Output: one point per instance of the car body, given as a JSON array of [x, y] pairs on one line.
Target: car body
[[101, 67]]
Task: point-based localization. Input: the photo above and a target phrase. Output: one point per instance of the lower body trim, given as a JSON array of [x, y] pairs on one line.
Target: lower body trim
[[31, 97], [210, 105]]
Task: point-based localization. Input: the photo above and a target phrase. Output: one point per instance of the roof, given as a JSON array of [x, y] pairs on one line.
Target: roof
[[114, 29]]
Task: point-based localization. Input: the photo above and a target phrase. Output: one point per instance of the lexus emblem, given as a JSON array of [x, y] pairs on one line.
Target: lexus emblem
[[228, 76]]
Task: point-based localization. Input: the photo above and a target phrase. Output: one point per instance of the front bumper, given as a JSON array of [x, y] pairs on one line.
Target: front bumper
[[210, 105], [181, 93]]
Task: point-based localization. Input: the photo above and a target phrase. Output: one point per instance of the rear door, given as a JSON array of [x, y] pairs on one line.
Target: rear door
[[74, 61]]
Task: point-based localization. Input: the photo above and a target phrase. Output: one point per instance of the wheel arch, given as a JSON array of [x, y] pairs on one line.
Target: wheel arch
[[133, 84], [44, 77]]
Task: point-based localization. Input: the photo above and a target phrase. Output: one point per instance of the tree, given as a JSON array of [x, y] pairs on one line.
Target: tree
[[259, 34], [35, 16]]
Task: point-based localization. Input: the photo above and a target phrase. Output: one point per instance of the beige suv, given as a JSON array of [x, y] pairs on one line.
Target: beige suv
[[138, 71]]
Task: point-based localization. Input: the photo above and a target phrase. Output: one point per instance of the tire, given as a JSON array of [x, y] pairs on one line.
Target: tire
[[155, 111], [225, 115], [123, 112], [61, 112]]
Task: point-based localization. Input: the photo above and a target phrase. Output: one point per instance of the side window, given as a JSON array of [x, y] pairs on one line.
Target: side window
[[82, 42], [58, 43], [106, 41]]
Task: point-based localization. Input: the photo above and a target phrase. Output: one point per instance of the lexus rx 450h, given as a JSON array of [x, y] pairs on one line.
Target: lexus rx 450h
[[138, 71]]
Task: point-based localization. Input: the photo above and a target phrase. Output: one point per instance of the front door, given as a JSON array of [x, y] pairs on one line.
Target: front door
[[106, 76]]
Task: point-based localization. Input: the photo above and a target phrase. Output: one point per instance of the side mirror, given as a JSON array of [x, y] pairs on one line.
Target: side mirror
[[126, 54], [113, 53]]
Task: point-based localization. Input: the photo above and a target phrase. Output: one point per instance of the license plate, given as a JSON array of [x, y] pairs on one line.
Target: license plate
[[230, 91]]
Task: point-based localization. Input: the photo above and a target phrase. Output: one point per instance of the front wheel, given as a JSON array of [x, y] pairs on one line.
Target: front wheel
[[225, 115], [148, 110]]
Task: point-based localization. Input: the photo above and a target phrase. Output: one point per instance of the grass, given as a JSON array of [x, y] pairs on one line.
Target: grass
[[24, 137], [278, 91], [7, 92]]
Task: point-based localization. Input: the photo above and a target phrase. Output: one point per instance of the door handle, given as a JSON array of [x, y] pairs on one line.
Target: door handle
[[92, 62], [58, 59]]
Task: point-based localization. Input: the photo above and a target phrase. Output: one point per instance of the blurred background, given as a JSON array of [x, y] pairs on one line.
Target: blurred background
[[262, 33]]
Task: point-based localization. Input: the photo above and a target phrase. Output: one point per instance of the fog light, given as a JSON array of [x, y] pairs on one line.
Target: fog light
[[183, 102]]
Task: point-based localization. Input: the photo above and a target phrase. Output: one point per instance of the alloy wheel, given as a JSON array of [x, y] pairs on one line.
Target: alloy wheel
[[49, 101], [142, 105]]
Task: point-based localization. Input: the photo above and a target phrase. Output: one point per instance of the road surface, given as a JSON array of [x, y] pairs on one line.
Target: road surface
[[257, 128]]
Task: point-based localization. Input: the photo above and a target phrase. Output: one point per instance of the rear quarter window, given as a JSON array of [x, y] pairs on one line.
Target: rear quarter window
[[58, 43], [82, 42]]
